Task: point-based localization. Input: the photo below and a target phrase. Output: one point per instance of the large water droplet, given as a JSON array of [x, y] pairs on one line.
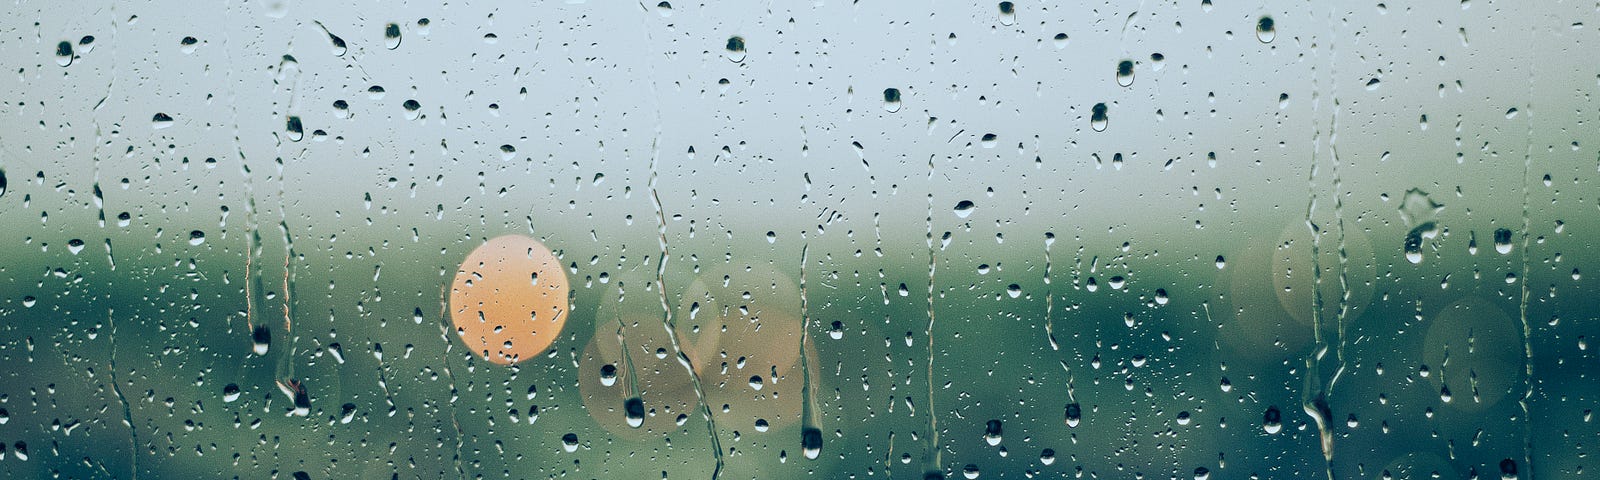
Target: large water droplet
[[391, 36], [633, 408], [1125, 73], [64, 53], [811, 442], [1272, 421], [261, 339], [608, 375], [964, 208], [569, 442], [992, 432], [891, 99], [1266, 29], [1008, 13], [1074, 414], [160, 120], [735, 48], [1502, 241], [1098, 120]]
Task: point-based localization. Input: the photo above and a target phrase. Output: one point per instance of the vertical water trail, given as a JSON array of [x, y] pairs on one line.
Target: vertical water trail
[[633, 407], [1522, 308], [127, 413], [449, 374], [1049, 296], [810, 429], [668, 322], [1314, 397], [936, 453]]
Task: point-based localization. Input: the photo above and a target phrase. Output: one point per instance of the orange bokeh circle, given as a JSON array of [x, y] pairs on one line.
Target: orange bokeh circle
[[509, 299]]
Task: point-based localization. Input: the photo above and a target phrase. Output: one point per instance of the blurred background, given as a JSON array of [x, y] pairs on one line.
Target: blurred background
[[1184, 239]]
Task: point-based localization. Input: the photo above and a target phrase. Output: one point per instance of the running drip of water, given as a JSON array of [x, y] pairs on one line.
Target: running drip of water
[[810, 429], [666, 314]]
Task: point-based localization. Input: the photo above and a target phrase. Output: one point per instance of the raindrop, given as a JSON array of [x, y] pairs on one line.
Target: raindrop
[[1266, 29], [412, 108], [1202, 473], [756, 382], [1221, 262], [1074, 414], [970, 471], [295, 130], [735, 49], [1098, 120], [64, 53], [811, 442], [230, 393], [991, 432], [990, 140], [608, 375], [197, 237], [1014, 290], [1048, 456], [1008, 13], [160, 120], [261, 339], [634, 409], [75, 245], [569, 442], [391, 36], [1502, 241], [1125, 73], [891, 99], [1272, 421], [188, 44], [964, 208], [1508, 469]]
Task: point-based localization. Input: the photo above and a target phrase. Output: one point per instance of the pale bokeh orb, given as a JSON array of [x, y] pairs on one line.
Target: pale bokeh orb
[[509, 299]]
